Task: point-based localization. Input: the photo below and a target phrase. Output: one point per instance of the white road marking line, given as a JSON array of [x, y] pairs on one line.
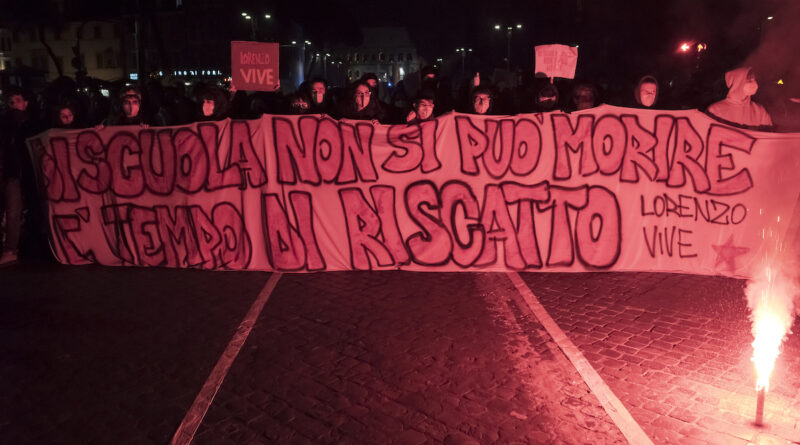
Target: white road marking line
[[615, 409], [194, 417]]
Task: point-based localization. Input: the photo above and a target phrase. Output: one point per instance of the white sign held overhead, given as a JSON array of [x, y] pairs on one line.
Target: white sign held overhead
[[556, 60]]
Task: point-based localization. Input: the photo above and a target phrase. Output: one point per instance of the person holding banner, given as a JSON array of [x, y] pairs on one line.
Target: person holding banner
[[584, 96], [424, 106], [298, 103], [646, 92], [361, 105], [738, 108], [320, 99], [482, 100], [547, 98], [212, 104], [66, 116], [130, 112]]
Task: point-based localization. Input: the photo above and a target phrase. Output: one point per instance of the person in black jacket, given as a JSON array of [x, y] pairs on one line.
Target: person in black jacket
[[424, 107], [66, 116], [482, 100], [361, 105], [17, 177], [547, 98], [130, 109], [646, 92], [212, 103], [320, 100]]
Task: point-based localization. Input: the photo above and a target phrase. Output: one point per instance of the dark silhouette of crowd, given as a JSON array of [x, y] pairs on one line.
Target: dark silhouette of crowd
[[63, 104]]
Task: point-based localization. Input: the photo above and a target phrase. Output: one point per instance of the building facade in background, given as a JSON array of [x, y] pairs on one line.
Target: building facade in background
[[100, 44], [185, 40], [386, 51]]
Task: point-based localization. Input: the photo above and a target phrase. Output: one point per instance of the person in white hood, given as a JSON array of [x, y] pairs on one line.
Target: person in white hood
[[738, 108]]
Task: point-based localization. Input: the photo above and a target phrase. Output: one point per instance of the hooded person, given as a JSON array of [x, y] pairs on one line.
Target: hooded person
[[298, 103], [646, 92], [361, 104], [320, 100], [481, 100], [131, 110], [432, 83], [547, 98], [584, 96], [212, 103], [381, 97], [738, 108], [372, 81]]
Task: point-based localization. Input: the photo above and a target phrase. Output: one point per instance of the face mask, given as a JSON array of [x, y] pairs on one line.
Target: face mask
[[750, 88], [208, 107], [547, 104], [647, 95], [481, 104], [362, 99]]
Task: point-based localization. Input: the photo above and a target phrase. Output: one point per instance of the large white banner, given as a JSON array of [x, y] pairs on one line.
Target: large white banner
[[606, 189]]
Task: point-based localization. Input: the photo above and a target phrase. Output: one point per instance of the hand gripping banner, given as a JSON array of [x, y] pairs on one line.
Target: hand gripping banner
[[608, 189]]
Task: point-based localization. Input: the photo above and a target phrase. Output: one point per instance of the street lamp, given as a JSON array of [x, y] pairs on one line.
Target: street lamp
[[509, 32], [325, 65], [254, 23], [463, 52]]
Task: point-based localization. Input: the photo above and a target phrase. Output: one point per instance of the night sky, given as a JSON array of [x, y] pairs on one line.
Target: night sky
[[620, 39]]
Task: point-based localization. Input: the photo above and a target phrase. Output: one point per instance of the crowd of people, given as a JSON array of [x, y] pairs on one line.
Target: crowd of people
[[63, 104]]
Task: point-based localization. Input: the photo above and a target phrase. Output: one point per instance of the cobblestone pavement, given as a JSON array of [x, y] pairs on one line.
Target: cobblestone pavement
[[117, 355], [676, 350], [110, 355], [406, 358]]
